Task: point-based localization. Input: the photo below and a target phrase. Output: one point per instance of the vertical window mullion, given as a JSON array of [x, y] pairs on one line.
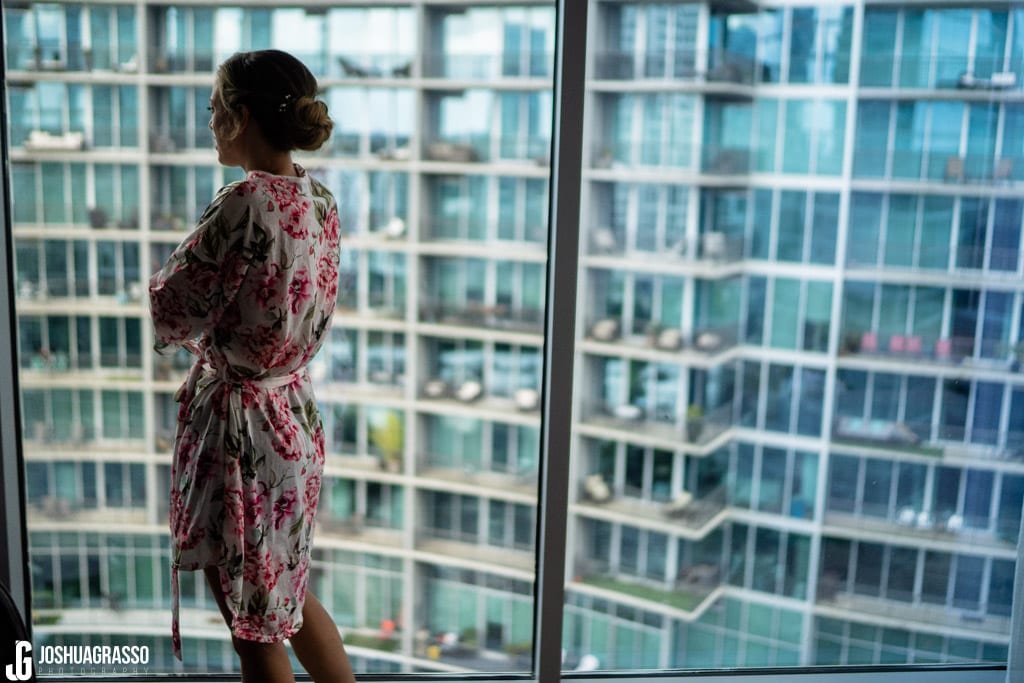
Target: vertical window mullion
[[559, 348]]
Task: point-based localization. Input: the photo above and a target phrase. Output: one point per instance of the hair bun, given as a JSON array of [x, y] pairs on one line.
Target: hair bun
[[312, 125]]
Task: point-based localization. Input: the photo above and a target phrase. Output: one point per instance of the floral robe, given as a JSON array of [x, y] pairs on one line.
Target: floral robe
[[251, 292]]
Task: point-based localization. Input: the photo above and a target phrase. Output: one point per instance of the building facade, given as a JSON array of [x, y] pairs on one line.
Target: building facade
[[799, 411]]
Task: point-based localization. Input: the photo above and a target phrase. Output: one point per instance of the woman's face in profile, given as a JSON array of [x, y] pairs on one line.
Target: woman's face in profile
[[225, 130]]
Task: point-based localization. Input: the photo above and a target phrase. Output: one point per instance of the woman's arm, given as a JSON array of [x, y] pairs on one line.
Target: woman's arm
[[188, 295]]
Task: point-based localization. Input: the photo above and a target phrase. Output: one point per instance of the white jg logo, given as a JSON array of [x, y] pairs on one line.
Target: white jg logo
[[21, 669]]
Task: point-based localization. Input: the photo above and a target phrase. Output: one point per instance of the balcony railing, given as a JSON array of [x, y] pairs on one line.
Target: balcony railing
[[712, 246], [171, 139], [464, 467], [483, 315], [659, 422], [64, 510], [943, 257], [979, 353], [179, 61], [614, 154], [124, 291], [926, 439], [489, 66], [684, 510], [630, 66], [706, 340], [112, 365], [950, 169], [71, 56], [726, 161], [927, 525], [468, 545], [913, 70], [912, 609], [460, 149]]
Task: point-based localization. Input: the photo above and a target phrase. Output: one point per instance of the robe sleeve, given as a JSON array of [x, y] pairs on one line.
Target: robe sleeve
[[189, 294]]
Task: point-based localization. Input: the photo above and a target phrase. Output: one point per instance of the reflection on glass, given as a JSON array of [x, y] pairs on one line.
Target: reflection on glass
[[429, 386], [763, 406]]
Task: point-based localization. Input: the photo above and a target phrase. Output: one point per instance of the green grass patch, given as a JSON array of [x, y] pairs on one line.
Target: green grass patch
[[682, 600]]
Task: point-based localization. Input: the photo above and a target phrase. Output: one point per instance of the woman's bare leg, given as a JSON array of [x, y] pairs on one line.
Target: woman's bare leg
[[318, 645], [261, 662]]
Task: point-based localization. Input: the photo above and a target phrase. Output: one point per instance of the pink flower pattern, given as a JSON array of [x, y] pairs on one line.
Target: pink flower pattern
[[251, 292]]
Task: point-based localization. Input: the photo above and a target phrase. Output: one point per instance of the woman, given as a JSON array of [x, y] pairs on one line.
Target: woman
[[251, 293]]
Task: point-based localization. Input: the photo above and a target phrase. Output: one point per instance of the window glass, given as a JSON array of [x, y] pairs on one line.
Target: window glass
[[867, 272]]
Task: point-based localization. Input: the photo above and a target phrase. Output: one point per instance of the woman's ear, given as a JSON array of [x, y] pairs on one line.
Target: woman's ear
[[243, 118], [240, 118]]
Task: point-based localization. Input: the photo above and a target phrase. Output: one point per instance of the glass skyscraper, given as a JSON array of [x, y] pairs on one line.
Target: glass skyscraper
[[798, 432]]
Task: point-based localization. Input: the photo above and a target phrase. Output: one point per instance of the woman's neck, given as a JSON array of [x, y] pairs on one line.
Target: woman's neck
[[260, 156], [275, 165]]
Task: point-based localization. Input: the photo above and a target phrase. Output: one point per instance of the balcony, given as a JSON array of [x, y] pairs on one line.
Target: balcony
[[106, 293], [629, 66], [46, 441], [488, 67], [658, 342], [44, 141], [482, 315], [467, 150], [173, 60], [732, 68], [57, 370], [900, 613], [989, 76], [684, 515], [658, 426], [878, 433], [912, 524], [72, 56], [469, 398], [470, 235], [468, 551], [54, 510], [724, 68], [967, 352], [690, 595], [709, 250], [943, 441], [617, 155], [950, 170], [460, 472], [725, 161], [978, 443], [357, 529], [381, 144]]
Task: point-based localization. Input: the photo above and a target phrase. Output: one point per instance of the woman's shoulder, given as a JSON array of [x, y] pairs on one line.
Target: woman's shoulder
[[320, 191], [227, 200]]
